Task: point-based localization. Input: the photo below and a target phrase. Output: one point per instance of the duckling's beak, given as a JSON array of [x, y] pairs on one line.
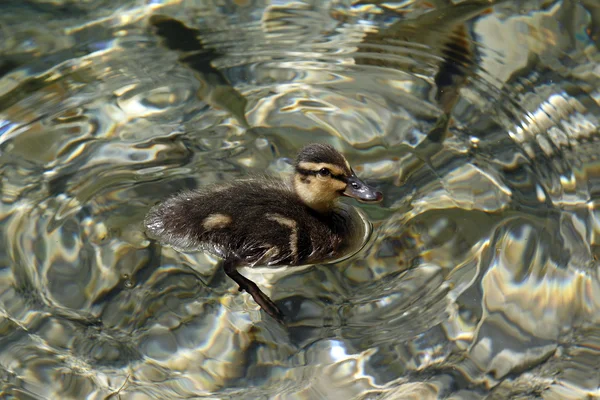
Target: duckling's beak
[[359, 190]]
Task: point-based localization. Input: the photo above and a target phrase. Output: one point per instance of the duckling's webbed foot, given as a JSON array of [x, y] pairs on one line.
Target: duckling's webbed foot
[[230, 267]]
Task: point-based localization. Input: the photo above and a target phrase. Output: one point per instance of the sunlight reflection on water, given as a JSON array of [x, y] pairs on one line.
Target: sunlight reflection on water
[[478, 120]]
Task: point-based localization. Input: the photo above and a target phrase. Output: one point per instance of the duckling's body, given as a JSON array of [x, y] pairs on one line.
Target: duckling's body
[[266, 221], [259, 221]]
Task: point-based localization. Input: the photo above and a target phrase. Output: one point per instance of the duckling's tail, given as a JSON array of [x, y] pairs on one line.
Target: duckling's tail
[[171, 223]]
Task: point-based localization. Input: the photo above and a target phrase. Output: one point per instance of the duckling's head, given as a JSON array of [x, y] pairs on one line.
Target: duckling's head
[[323, 175]]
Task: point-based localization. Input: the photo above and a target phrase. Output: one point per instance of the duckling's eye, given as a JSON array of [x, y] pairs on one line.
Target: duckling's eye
[[324, 172]]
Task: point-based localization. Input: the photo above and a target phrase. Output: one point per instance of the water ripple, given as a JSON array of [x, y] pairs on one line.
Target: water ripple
[[478, 120]]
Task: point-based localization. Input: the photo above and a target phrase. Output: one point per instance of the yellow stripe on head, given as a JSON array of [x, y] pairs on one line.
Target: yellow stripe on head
[[316, 167]]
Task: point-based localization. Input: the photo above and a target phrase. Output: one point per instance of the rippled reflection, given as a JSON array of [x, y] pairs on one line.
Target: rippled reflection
[[478, 120]]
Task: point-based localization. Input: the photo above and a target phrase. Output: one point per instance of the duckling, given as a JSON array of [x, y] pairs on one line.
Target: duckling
[[266, 221]]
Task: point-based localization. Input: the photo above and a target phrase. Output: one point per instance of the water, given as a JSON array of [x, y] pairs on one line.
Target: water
[[479, 124]]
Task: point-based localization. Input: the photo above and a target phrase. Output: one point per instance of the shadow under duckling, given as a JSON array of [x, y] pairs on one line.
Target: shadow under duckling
[[266, 221]]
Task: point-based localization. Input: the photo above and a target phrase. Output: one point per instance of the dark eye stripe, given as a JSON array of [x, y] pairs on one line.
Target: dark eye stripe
[[303, 171]]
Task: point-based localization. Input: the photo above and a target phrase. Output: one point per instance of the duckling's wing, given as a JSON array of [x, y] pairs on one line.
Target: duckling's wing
[[245, 218], [172, 223]]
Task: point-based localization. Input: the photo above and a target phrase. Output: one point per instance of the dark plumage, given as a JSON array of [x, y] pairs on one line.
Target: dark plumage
[[322, 153], [265, 221], [178, 221]]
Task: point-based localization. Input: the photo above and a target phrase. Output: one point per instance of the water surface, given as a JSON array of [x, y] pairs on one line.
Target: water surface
[[478, 120]]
